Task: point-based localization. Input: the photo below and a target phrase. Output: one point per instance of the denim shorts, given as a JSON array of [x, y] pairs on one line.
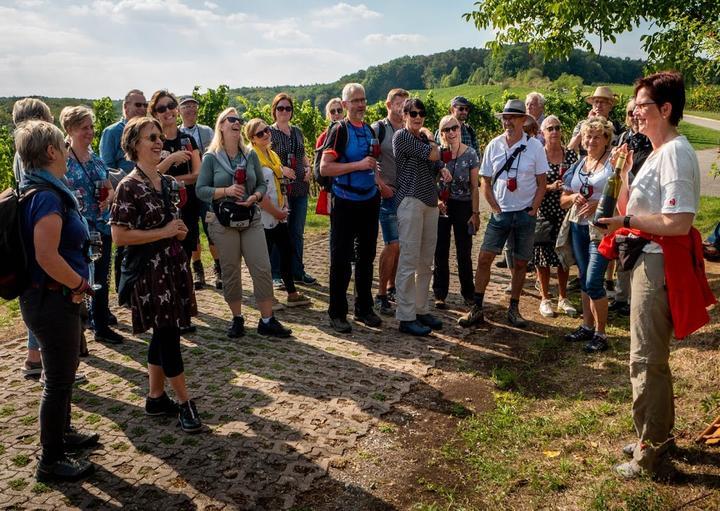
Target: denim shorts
[[389, 221], [515, 227]]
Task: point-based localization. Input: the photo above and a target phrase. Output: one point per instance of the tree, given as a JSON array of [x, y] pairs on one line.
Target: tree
[[7, 151], [686, 33], [104, 116], [211, 103]]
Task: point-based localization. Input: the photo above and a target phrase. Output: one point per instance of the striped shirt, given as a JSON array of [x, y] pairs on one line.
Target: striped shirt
[[415, 172], [284, 145]]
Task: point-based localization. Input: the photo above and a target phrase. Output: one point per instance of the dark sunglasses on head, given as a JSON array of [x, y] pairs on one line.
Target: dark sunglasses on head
[[154, 137], [335, 111], [451, 128], [415, 113], [164, 108], [288, 109], [232, 119], [140, 105], [553, 128], [262, 132]]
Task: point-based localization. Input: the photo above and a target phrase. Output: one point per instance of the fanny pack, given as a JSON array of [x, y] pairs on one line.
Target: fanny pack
[[629, 249], [231, 214]]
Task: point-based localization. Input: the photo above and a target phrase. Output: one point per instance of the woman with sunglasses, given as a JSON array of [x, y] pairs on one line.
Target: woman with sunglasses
[[544, 255], [333, 112], [232, 172], [417, 159], [274, 211], [583, 185], [459, 212], [289, 144]]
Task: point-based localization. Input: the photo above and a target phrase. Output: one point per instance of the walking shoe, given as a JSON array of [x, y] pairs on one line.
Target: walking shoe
[[108, 336], [369, 319], [546, 308], [340, 325], [430, 321], [629, 449], [188, 329], [515, 319], [414, 328], [279, 284], [440, 304], [581, 334], [306, 279], [298, 300], [111, 319], [199, 273], [80, 378], [273, 328], [597, 344], [161, 405], [32, 370], [218, 275], [566, 307], [473, 317], [66, 468], [629, 470], [189, 418], [619, 308], [391, 292], [237, 328], [277, 306], [383, 305], [501, 263], [73, 438]]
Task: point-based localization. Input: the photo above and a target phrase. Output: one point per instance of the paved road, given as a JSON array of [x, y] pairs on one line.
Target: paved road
[[702, 121]]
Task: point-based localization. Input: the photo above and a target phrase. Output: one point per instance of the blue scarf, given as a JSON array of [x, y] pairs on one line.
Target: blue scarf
[[44, 177]]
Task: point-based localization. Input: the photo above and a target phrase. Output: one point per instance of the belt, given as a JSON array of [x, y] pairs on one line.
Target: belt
[[50, 286]]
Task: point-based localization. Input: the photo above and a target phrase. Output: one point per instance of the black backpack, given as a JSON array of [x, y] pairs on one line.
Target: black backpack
[[325, 182], [14, 267]]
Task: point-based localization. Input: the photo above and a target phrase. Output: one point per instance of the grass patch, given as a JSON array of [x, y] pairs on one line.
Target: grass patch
[[40, 488], [18, 484], [699, 136], [21, 460], [707, 218]]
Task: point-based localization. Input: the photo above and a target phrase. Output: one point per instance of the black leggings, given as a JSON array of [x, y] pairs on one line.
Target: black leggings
[[164, 351], [279, 236]]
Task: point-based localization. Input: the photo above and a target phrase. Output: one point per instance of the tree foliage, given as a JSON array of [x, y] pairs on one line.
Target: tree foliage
[[7, 152], [211, 103], [685, 32], [104, 116]]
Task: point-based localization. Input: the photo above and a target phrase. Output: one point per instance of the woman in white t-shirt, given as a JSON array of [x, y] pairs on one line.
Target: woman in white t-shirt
[[662, 200], [584, 184], [274, 204]]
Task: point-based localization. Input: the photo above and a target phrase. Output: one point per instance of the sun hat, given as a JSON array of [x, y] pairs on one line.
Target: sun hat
[[514, 107], [603, 92]]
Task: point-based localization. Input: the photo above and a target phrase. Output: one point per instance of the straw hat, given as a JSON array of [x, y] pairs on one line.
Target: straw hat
[[514, 107], [603, 92]]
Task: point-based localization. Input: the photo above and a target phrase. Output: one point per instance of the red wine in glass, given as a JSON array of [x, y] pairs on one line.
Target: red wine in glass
[[186, 144], [240, 175], [445, 154], [374, 148], [183, 195], [444, 193], [292, 163], [102, 191], [562, 169]]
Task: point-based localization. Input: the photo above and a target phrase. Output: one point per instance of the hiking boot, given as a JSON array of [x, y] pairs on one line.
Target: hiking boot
[[298, 300], [430, 321], [32, 370], [199, 273], [340, 325], [161, 405], [237, 329], [414, 328], [108, 336], [189, 418], [80, 378], [218, 275], [472, 317], [597, 344], [66, 468], [74, 438], [580, 335], [546, 308], [383, 305], [619, 308], [369, 319], [273, 328], [566, 307], [515, 319]]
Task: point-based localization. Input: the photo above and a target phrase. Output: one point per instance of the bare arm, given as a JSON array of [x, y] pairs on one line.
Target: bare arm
[[329, 166], [489, 196], [123, 236]]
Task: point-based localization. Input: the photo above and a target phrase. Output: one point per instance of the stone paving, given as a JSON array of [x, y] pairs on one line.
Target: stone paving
[[277, 412]]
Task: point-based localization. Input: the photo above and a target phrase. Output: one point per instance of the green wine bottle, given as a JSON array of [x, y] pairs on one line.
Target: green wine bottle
[[608, 201]]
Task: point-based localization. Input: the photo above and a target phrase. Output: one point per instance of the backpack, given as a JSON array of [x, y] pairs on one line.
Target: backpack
[[14, 266], [325, 182]]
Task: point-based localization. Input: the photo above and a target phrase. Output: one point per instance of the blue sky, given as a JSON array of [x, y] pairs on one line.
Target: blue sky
[[104, 48]]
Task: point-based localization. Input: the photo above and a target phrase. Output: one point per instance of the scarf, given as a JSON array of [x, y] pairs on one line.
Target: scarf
[[271, 160], [44, 177]]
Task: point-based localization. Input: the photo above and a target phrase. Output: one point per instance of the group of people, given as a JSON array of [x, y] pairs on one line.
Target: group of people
[[247, 183]]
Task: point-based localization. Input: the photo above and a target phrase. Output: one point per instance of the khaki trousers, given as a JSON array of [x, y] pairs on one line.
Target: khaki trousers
[[650, 332]]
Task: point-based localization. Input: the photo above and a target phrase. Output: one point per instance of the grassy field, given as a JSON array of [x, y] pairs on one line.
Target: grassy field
[[699, 136]]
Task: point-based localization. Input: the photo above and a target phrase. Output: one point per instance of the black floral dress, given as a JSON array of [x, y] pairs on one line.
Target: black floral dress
[[163, 295], [544, 254]]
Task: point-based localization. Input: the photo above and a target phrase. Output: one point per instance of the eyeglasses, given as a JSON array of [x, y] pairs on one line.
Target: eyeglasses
[[629, 113], [415, 113], [645, 105], [232, 119], [287, 109], [262, 132], [553, 128], [154, 137], [336, 111], [164, 108], [357, 101], [67, 145], [137, 104], [451, 128], [462, 108]]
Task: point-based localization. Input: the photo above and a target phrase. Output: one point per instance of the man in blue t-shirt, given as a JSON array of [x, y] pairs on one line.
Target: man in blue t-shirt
[[134, 105], [354, 212]]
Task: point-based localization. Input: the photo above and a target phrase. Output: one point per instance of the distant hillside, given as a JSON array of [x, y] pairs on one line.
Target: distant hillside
[[55, 104], [470, 66]]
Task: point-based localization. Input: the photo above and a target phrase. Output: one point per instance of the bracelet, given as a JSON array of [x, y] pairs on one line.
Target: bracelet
[[626, 221], [79, 286]]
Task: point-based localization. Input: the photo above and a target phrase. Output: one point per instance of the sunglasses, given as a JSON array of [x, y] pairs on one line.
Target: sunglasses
[[335, 111], [140, 105], [164, 108], [67, 145], [287, 109], [154, 137], [553, 128], [415, 113], [451, 128], [462, 108], [262, 132], [232, 119]]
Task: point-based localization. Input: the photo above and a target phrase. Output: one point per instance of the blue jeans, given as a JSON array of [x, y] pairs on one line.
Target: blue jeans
[[296, 223], [33, 343], [591, 264], [389, 221]]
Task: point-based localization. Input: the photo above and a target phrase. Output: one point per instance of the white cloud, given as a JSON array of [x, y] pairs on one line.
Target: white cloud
[[282, 31], [382, 39], [342, 14], [211, 5]]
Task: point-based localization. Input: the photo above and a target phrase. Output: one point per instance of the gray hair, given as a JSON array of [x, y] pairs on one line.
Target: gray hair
[[30, 108], [535, 95], [598, 123], [73, 116], [349, 89], [329, 104], [32, 139], [548, 120]]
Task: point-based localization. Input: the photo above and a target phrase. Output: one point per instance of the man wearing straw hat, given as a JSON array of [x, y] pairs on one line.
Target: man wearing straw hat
[[603, 100]]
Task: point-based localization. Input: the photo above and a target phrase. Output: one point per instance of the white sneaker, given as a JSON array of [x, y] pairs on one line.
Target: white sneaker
[[566, 307], [546, 309]]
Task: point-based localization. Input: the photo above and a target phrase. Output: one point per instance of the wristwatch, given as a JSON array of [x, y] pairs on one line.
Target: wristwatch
[[626, 221]]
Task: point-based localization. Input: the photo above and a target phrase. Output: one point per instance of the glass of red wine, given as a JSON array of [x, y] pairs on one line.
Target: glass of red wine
[[445, 154], [292, 163], [186, 144], [102, 190], [374, 148], [240, 177], [444, 195]]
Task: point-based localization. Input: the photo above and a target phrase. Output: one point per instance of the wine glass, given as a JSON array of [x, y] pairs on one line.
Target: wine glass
[[374, 148], [186, 144], [102, 190], [81, 202], [445, 154], [444, 195], [178, 196], [240, 178], [94, 253]]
